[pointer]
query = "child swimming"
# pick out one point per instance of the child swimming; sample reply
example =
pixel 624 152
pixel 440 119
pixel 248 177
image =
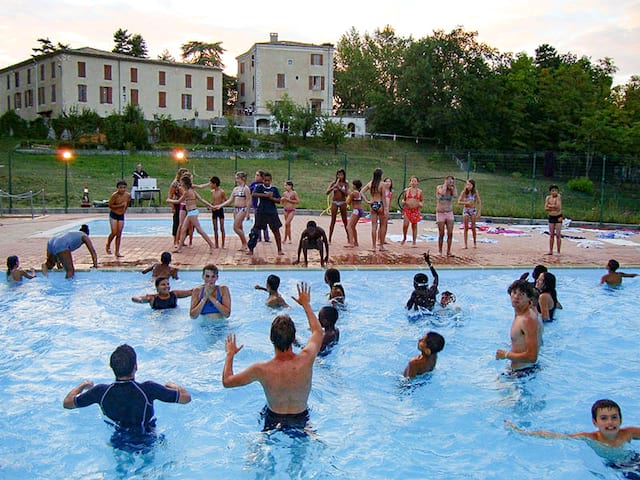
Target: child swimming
pixel 15 273
pixel 424 296
pixel 274 299
pixel 429 346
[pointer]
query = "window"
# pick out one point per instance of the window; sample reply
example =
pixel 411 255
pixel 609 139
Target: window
pixel 28 98
pixel 17 100
pixel 241 67
pixel 134 96
pixel 162 78
pixel 316 59
pixel 28 76
pixel 210 103
pixel 82 69
pixel 82 93
pixel 134 75
pixel 209 83
pixel 53 69
pixel 187 81
pixel 53 94
pixel 42 72
pixel 186 101
pixel 16 82
pixel 242 89
pixel 107 72
pixel 106 95
pixel 162 99
pixel 41 97
pixel 280 81
pixel 289 62
pixel 316 105
pixel 316 82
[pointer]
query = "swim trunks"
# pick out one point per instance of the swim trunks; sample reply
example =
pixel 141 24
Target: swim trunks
pixel 555 218
pixel 116 216
pixel 444 217
pixel 219 213
pixel 284 421
pixel 412 214
pixel 165 303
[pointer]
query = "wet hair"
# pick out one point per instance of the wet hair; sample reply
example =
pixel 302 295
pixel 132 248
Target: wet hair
pixel 524 287
pixel 186 181
pixel 613 265
pixel 283 332
pixel 357 184
pixel 273 282
pixel 551 187
pixel 12 262
pixel 123 360
pixel 120 183
pixel 435 342
pixel 331 276
pixel 165 258
pixel 210 266
pixel 159 279
pixel 215 180
pixel 312 224
pixel 473 186
pixel 538 270
pixel 549 285
pixel 330 314
pixel 375 181
pixel 84 228
pixel 448 295
pixel 602 404
pixel 420 281
pixel 341 171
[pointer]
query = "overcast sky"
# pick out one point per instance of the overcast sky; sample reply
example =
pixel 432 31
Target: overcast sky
pixel 595 28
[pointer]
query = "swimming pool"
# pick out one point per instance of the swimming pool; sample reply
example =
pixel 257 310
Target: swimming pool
pixel 143 227
pixel 369 422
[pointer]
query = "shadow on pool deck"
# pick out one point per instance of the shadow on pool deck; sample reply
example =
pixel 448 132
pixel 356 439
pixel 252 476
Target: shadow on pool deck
pixel 18 237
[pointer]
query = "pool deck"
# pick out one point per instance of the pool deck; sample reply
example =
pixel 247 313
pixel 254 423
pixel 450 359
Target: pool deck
pixel 23 236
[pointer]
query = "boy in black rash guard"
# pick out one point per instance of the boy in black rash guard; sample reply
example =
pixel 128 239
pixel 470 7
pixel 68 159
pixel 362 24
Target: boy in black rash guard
pixel 424 296
pixel 127 403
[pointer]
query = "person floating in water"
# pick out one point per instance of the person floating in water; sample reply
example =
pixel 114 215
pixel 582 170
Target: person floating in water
pixel 59 250
pixel 127 403
pixel 274 299
pixel 613 277
pixel 15 273
pixel 286 378
pixel 336 290
pixel 447 298
pixel 606 417
pixel 424 296
pixel 526 329
pixel 162 269
pixel 328 316
pixel 429 346
pixel 313 238
pixel 164 298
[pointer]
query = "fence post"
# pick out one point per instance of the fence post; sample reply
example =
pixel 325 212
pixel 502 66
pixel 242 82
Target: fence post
pixel 604 163
pixel 31 203
pixel 468 164
pixel 235 157
pixel 404 179
pixel 533 187
pixel 10 184
pixel 345 161
pixel 288 165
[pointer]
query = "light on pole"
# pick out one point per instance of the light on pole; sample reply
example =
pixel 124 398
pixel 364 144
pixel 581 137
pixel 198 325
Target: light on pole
pixel 66 156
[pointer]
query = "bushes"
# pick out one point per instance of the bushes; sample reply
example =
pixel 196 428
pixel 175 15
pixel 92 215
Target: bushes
pixel 581 184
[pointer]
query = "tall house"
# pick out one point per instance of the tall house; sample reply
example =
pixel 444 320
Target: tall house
pixel 107 82
pixel 269 70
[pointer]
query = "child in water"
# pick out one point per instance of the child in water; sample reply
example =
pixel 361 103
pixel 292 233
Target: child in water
pixel 162 269
pixel 328 316
pixel 336 292
pixel 274 299
pixel 15 273
pixel 424 296
pixel 613 277
pixel 429 346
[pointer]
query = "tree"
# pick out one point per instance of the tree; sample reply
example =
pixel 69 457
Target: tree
pixel 166 56
pixel 138 46
pixel 76 123
pixel 47 46
pixel 283 111
pixel 201 53
pixel 229 93
pixel 304 120
pixel 128 44
pixel 333 133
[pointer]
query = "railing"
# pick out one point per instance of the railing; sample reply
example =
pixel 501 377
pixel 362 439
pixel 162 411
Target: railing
pixel 22 196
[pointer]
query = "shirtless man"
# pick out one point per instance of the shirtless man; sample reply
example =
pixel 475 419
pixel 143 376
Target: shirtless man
pixel 613 277
pixel 286 378
pixel 526 329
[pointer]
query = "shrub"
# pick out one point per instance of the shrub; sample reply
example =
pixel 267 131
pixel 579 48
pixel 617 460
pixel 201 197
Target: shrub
pixel 581 184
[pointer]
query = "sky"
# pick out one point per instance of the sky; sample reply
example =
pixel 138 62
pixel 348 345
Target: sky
pixel 593 28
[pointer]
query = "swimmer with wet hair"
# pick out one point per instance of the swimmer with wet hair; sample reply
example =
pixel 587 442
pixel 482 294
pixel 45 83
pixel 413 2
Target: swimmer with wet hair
pixel 336 293
pixel 274 299
pixel 429 346
pixel 424 296
pixel 162 269
pixel 613 277
pixel 447 298
pixel 164 298
pixel 15 273
pixel 328 316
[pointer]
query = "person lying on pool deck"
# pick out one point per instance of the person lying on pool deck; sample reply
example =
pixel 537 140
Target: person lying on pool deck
pixel 286 378
pixel 164 298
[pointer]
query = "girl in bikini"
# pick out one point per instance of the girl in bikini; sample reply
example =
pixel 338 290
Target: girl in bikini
pixel 379 190
pixel 445 194
pixel 355 200
pixel 289 200
pixel 241 198
pixel 189 197
pixel 179 213
pixel 412 202
pixel 339 188
pixel 470 199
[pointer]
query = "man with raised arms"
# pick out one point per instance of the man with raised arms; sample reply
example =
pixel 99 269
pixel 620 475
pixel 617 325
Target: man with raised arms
pixel 286 378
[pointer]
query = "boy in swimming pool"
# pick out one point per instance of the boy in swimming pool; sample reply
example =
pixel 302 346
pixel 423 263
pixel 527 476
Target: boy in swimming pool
pixel 447 298
pixel 336 293
pixel 274 299
pixel 606 416
pixel 424 296
pixel 613 277
pixel 429 346
pixel 328 316
pixel 162 269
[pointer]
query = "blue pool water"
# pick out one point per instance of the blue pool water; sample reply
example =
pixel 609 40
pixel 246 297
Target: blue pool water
pixel 368 421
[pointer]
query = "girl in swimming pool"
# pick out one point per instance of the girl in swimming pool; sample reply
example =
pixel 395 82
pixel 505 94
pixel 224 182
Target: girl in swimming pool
pixel 289 201
pixel 470 200
pixel 189 197
pixel 15 273
pixel 339 189
pixel 241 198
pixel 379 190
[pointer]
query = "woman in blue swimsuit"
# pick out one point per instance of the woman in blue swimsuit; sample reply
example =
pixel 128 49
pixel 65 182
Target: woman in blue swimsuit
pixel 210 300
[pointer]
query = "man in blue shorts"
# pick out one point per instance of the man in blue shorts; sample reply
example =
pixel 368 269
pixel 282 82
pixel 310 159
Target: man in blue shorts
pixel 127 403
pixel 267 212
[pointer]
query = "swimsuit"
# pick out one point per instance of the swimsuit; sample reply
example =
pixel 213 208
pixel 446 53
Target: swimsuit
pixel 219 213
pixel 284 421
pixel 445 198
pixel 116 216
pixel 375 206
pixel 239 209
pixel 193 212
pixel 209 307
pixel 470 211
pixel 555 218
pixel 165 303
pixel 239 193
pixel 289 209
pixel 412 214
pixel 338 203
pixel 422 299
pixel 444 216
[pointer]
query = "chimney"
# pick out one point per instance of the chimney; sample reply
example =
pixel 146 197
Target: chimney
pixel 274 37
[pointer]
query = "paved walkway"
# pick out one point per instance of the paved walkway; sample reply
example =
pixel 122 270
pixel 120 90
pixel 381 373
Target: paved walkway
pixel 27 238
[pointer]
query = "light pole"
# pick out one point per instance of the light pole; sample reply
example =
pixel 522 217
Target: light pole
pixel 66 156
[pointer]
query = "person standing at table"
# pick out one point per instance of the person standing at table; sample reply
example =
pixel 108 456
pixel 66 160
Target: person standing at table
pixel 137 174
